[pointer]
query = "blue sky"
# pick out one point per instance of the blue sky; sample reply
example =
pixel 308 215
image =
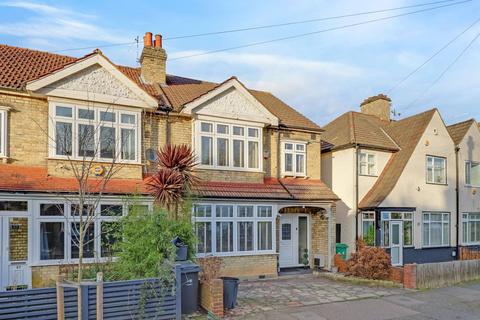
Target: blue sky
pixel 321 75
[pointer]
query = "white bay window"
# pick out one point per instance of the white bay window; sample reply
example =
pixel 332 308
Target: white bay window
pixel 233 229
pixel 104 134
pixel 228 146
pixel 471 228
pixel 57 228
pixel 436 229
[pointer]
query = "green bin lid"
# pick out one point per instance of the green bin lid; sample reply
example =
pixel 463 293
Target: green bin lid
pixel 342 245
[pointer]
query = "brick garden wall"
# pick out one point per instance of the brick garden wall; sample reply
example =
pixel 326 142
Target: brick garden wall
pixel 250 267
pixel 211 297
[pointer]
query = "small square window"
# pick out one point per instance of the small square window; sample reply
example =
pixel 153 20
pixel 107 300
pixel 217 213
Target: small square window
pixel 300 147
pixel 51 209
pixel 206 127
pixel 63 112
pixel 238 131
pixel 288 146
pixel 107 116
pixel 252 132
pixel 127 118
pixel 222 128
pixel 86 114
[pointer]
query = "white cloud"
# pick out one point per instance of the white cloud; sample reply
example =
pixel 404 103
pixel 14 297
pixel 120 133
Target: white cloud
pixel 55 23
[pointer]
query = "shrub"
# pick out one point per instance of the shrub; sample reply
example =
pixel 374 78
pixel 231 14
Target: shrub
pixel 210 268
pixel 146 250
pixel 369 262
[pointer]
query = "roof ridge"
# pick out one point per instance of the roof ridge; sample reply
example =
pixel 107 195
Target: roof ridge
pixel 351 120
pixel 462 122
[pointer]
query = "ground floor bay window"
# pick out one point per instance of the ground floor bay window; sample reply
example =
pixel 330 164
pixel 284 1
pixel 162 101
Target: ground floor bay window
pixel 471 228
pixel 57 224
pixel 234 229
pixel 436 229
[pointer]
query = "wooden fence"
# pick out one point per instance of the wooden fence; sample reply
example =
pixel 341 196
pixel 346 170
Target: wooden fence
pixel 122 300
pixel 441 274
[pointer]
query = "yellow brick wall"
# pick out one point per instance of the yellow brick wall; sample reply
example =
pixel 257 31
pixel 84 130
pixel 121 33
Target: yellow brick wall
pixel 18 239
pixel 250 267
pixel 44 276
pixel 27 129
pixel 63 168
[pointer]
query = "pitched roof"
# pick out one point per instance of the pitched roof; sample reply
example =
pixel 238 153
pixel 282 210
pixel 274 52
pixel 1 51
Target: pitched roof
pixel 406 133
pixel 458 130
pixel 358 128
pixel 20 65
pixel 36 179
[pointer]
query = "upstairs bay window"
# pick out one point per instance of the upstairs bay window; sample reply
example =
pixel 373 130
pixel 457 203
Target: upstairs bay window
pixel 102 134
pixel 229 146
pixel 436 170
pixel 294 158
pixel 472 174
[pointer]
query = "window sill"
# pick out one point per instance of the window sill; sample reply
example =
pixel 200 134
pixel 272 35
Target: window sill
pixel 368 175
pixel 122 162
pixel 204 167
pixel 437 184
pixel 435 247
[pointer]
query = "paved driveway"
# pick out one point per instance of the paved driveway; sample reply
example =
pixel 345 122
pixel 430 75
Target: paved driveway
pixel 256 297
pixel 460 302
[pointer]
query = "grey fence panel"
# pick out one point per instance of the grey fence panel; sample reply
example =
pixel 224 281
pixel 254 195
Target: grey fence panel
pixel 122 300
pixel 36 304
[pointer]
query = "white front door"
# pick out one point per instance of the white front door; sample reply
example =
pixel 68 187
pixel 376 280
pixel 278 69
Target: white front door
pixel 396 242
pixel 14 253
pixel 294 240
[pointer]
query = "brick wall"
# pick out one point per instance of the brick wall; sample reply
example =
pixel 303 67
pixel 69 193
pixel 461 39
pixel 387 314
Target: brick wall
pixel 44 276
pixel 469 253
pixel 63 168
pixel 410 276
pixel 18 239
pixel 250 267
pixel 319 234
pixel 27 129
pixel 211 297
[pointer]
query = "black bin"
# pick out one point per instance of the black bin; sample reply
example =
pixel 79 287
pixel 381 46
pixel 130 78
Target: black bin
pixel 230 291
pixel 189 277
pixel 182 249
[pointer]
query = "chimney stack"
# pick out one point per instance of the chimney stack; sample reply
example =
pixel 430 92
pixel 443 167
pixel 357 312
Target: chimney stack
pixel 378 106
pixel 153 60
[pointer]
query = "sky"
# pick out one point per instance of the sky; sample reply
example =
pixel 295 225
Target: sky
pixel 322 75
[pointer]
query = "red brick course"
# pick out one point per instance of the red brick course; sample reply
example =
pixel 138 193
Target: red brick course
pixel 211 297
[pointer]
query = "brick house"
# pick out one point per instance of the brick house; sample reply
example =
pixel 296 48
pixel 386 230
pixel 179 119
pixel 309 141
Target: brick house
pixel 260 205
pixel 397 181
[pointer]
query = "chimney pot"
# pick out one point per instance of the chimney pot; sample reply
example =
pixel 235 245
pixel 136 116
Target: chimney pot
pixel 158 41
pixel 147 39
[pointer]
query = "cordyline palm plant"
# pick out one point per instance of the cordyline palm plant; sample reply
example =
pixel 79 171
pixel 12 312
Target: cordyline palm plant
pixel 174 178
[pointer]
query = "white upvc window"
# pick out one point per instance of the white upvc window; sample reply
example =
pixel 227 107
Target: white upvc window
pixel 228 146
pixel 234 229
pixel 436 170
pixel 406 217
pixel 86 132
pixel 472 174
pixel 471 228
pixel 57 231
pixel 3 131
pixel 294 158
pixel 368 228
pixel 436 229
pixel 367 164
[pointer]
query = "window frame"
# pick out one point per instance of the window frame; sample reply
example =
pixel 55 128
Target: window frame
pixel 213 219
pixel 372 220
pixel 466 228
pixel 4 131
pixel 429 245
pixel 403 219
pixel 433 170
pixel 97 123
pixel 367 174
pixel 230 137
pixel 468 179
pixel 294 152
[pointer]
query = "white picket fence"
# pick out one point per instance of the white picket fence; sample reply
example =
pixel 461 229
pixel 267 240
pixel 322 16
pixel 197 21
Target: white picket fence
pixel 435 275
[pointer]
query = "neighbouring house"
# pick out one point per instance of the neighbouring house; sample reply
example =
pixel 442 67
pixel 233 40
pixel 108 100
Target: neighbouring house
pixel 260 205
pixel 466 136
pixel 396 180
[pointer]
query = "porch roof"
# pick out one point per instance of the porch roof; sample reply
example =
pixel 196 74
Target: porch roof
pixel 36 179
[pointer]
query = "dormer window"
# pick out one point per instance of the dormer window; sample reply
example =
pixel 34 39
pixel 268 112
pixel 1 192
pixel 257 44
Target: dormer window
pixel 104 134
pixel 3 131
pixel 228 146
